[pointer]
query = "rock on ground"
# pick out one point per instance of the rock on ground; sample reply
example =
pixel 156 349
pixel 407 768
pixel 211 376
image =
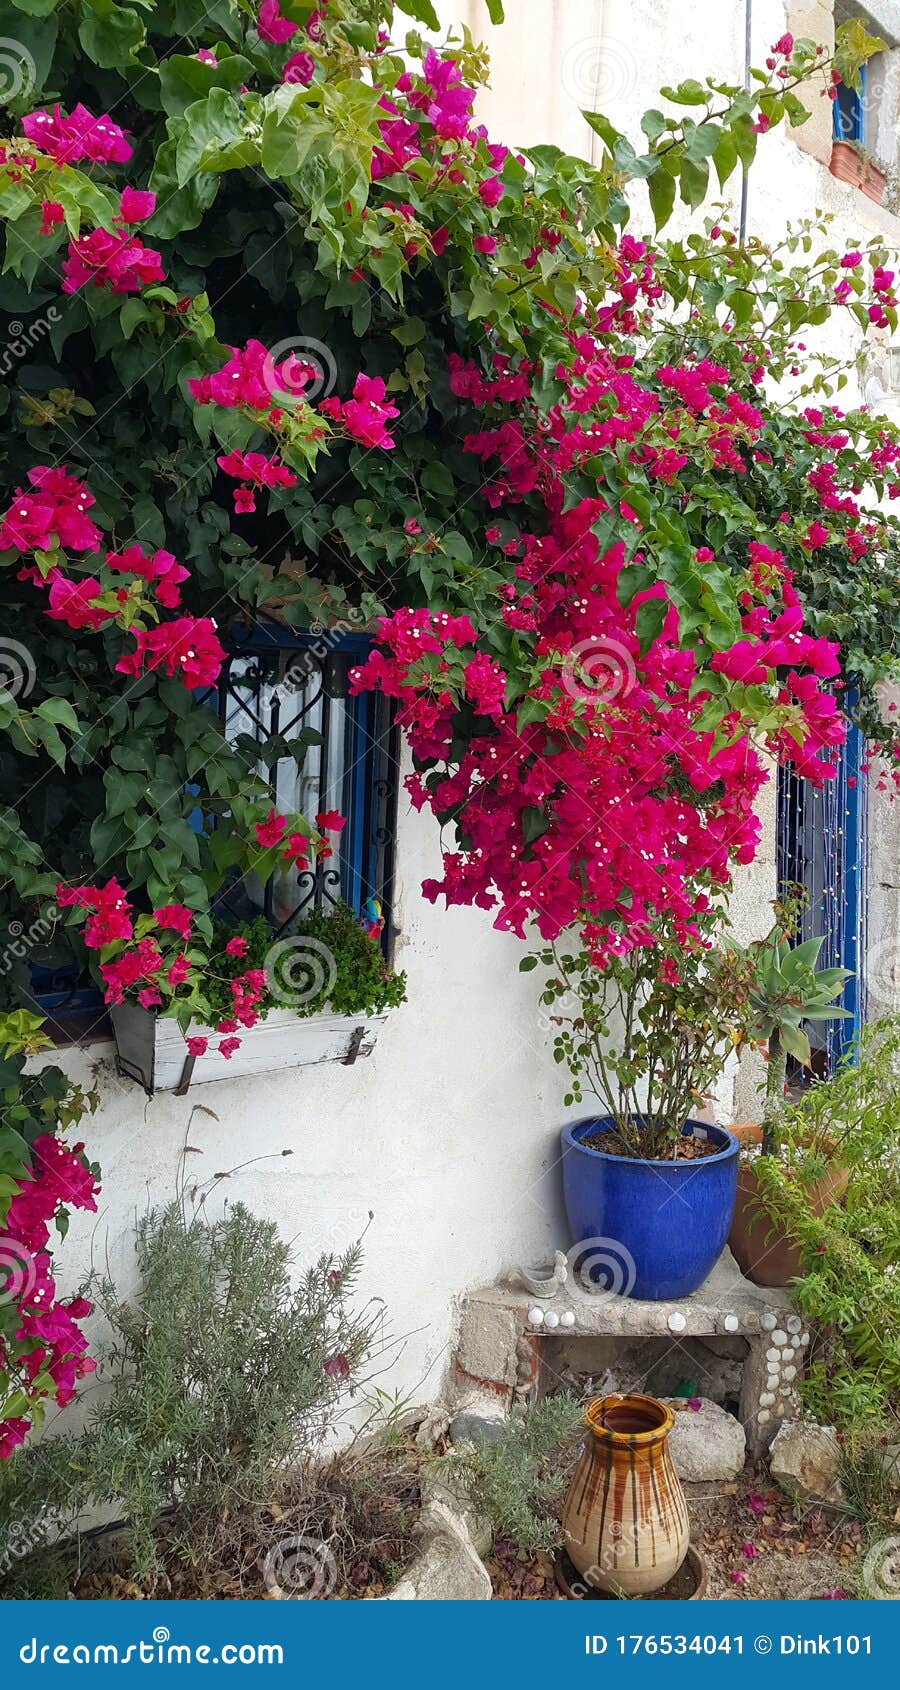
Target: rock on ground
pixel 705 1443
pixel 805 1459
pixel 447 1567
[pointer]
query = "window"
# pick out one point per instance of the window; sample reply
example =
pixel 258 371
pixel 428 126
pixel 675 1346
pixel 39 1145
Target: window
pixel 278 682
pixel 822 849
pixel 849 112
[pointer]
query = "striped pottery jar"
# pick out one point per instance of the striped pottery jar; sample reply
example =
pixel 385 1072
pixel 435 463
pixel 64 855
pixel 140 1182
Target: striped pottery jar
pixel 625 1520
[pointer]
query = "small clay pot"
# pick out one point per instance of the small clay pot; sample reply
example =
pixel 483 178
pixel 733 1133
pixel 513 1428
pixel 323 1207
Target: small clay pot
pixel 763 1252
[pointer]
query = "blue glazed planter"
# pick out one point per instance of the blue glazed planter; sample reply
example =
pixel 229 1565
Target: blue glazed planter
pixel 650 1229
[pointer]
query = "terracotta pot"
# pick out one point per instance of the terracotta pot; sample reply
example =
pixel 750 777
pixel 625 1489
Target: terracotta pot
pixel 625 1520
pixel 847 166
pixel 764 1254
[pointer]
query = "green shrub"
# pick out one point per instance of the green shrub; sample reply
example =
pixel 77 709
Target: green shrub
pixel 518 1481
pixel 224 1378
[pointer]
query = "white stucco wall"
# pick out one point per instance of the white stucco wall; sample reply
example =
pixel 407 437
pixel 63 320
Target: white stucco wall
pixel 448 1132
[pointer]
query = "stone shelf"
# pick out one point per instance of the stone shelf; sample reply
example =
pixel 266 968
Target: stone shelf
pixel 505 1334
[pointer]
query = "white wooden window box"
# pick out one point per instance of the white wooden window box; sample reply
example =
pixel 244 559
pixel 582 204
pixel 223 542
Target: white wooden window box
pixel 152 1050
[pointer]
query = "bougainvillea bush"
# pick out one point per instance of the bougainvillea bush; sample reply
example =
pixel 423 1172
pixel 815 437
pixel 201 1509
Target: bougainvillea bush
pixel 303 342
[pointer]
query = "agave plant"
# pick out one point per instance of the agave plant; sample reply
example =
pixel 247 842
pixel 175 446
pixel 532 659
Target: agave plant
pixel 786 990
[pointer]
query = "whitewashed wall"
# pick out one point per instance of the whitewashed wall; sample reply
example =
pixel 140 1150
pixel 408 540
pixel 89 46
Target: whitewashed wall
pixel 448 1133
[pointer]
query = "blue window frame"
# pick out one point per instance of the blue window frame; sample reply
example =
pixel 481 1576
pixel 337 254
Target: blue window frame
pixel 848 111
pixel 276 681
pixel 822 850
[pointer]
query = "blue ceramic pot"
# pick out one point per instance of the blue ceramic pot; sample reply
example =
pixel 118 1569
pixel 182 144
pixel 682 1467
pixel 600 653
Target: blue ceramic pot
pixel 650 1229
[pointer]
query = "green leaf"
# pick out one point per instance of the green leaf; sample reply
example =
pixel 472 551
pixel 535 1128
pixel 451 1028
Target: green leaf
pixel 661 188
pixel 110 34
pixel 649 620
pixel 184 79
pixel 209 127
pixel 694 181
pixel 495 10
pixel 423 12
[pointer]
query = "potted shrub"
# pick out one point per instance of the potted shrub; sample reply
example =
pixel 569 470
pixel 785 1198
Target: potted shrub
pixel 646 1034
pixel 786 990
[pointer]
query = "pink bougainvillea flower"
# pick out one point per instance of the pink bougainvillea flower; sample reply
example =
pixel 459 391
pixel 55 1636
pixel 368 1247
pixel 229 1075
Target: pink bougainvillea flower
pixel 490 192
pixel 364 416
pixel 271 831
pixel 197 1046
pixel 272 25
pixel 136 204
pixel 297 851
pixel 79 136
pixel 115 261
pixel 299 68
pixel 72 602
pixel 12 1434
pixel 738 1576
pixel 330 821
pixel 187 647
pixel 227 1048
pixel 749 1551
pixel 695 1404
pixel 57 508
pixel 237 946
pixel 161 570
pixel 244 500
pixel 176 916
pixel 52 215
pixel 485 243
pixel 755 1502
pixel 178 971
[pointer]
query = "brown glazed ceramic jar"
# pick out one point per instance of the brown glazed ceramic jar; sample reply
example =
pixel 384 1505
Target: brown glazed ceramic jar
pixel 625 1520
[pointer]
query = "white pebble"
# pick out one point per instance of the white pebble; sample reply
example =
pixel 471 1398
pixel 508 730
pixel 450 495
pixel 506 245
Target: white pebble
pixel 731 1323
pixel 535 1317
pixel 567 1318
pixel 767 1322
pixel 793 1323
pixel 790 1373
pixel 773 1380
pixel 773 1355
pixel 676 1322
pixel 779 1337
pixel 764 1416
pixel 767 1399
pixel 804 1340
pixel 551 1319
